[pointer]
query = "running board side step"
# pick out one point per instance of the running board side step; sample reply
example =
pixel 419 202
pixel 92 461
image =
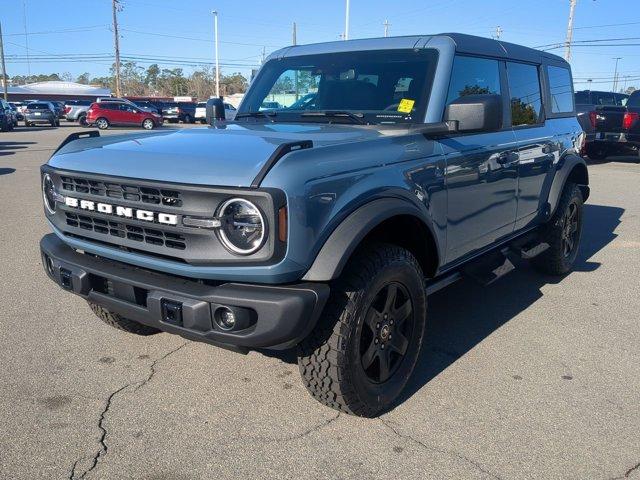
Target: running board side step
pixel 492 266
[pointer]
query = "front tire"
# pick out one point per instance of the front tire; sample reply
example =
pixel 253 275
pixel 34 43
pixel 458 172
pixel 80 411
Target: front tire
pixel 116 321
pixel 365 347
pixel 563 233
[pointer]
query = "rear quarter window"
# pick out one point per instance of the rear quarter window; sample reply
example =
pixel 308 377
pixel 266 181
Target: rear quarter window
pixel 561 89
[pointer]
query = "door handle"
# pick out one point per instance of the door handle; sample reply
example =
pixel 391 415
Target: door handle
pixel 507 158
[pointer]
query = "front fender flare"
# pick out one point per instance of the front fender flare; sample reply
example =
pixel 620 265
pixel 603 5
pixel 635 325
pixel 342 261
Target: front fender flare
pixel 344 240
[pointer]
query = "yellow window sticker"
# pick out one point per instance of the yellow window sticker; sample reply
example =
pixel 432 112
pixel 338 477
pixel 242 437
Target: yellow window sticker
pixel 406 105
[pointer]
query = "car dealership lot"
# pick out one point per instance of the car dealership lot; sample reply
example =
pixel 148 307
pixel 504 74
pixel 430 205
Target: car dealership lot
pixel 531 377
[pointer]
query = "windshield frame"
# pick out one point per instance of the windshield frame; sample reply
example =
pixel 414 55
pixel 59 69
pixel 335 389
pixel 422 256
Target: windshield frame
pixel 274 68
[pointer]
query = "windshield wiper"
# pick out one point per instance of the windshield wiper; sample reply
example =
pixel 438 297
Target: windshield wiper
pixel 355 117
pixel 257 114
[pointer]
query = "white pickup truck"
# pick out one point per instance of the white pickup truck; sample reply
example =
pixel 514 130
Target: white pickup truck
pixel 201 112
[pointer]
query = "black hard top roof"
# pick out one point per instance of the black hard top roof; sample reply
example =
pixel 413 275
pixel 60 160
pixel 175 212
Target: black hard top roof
pixel 474 45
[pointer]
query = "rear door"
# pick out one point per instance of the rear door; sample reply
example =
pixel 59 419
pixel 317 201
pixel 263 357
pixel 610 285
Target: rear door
pixel 128 114
pixel 481 173
pixel 534 135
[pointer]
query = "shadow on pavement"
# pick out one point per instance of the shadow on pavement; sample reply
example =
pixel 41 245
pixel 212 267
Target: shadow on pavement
pixel 462 315
pixel 6 171
pixel 7 148
pixel 454 327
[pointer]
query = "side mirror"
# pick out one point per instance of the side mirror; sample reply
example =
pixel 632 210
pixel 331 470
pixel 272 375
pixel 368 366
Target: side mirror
pixel 476 113
pixel 215 110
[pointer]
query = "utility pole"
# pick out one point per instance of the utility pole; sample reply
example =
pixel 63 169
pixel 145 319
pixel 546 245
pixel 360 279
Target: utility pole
pixel 615 73
pixel 4 68
pixel 294 35
pixel 498 32
pixel 26 35
pixel 264 54
pixel 386 28
pixel 116 7
pixel 567 48
pixel 215 32
pixel 346 21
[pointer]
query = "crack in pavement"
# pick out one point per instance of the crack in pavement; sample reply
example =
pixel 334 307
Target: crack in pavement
pixel 296 436
pixel 458 455
pixel 103 435
pixel 152 367
pixel 628 472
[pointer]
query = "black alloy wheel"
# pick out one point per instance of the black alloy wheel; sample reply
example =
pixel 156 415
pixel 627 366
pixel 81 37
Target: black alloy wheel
pixel 385 332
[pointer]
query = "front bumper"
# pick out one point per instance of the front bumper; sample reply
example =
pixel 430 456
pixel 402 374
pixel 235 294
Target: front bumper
pixel 274 317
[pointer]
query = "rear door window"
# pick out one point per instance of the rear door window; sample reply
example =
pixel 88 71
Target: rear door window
pixel 471 75
pixel 525 95
pixel 561 89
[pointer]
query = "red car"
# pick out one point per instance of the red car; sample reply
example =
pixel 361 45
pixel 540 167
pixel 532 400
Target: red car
pixel 105 114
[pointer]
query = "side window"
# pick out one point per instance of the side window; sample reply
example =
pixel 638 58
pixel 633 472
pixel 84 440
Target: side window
pixel 561 89
pixel 603 98
pixel 471 76
pixel 524 90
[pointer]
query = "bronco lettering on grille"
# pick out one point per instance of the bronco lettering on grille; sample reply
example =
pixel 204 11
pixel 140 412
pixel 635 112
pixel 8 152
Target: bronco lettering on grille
pixel 120 211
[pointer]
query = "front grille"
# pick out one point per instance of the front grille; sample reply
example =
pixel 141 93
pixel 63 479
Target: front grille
pixel 151 236
pixel 132 193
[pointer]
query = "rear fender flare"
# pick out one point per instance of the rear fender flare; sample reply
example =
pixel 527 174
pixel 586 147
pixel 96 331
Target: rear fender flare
pixel 572 168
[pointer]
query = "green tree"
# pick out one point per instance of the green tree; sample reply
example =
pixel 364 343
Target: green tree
pixel 83 78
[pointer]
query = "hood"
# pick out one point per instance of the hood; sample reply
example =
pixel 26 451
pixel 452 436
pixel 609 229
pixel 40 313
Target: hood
pixel 230 155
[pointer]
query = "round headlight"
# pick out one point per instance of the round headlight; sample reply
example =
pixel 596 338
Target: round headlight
pixel 48 194
pixel 242 228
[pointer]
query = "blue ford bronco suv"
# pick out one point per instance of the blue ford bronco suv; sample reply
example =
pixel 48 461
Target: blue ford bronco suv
pixel 388 169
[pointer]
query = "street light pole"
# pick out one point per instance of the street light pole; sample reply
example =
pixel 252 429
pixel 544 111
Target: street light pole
pixel 567 50
pixel 615 73
pixel 346 22
pixel 215 29
pixel 4 69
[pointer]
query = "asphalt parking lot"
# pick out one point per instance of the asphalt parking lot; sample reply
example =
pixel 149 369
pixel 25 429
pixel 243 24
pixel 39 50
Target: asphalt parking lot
pixel 533 377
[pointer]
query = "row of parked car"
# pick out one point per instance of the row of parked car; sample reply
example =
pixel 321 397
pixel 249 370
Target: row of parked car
pixel 104 112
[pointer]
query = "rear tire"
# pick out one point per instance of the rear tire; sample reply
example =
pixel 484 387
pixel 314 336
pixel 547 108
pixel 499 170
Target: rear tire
pixel 82 120
pixel 187 119
pixel 148 124
pixel 116 321
pixel 562 233
pixel 365 346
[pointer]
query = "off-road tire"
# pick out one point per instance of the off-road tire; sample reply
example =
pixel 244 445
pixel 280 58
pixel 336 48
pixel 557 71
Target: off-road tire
pixel 330 358
pixel 554 260
pixel 116 321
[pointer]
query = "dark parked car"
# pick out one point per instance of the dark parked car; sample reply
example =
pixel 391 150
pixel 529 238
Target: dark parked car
pixel 610 121
pixel 41 112
pixel 105 114
pixel 11 115
pixel 424 160
pixel 18 113
pixel 148 106
pixel 175 112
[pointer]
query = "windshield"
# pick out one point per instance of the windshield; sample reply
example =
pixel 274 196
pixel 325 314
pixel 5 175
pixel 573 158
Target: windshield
pixel 390 86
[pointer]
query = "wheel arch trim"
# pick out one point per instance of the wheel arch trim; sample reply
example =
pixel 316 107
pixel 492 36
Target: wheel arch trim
pixel 350 233
pixel 575 168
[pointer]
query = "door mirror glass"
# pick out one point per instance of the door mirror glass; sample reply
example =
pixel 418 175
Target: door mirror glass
pixel 476 113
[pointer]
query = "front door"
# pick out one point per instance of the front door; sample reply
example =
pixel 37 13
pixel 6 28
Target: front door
pixel 481 172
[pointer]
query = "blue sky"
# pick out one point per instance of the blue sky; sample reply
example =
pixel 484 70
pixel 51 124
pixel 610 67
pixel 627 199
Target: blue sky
pixel 148 28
